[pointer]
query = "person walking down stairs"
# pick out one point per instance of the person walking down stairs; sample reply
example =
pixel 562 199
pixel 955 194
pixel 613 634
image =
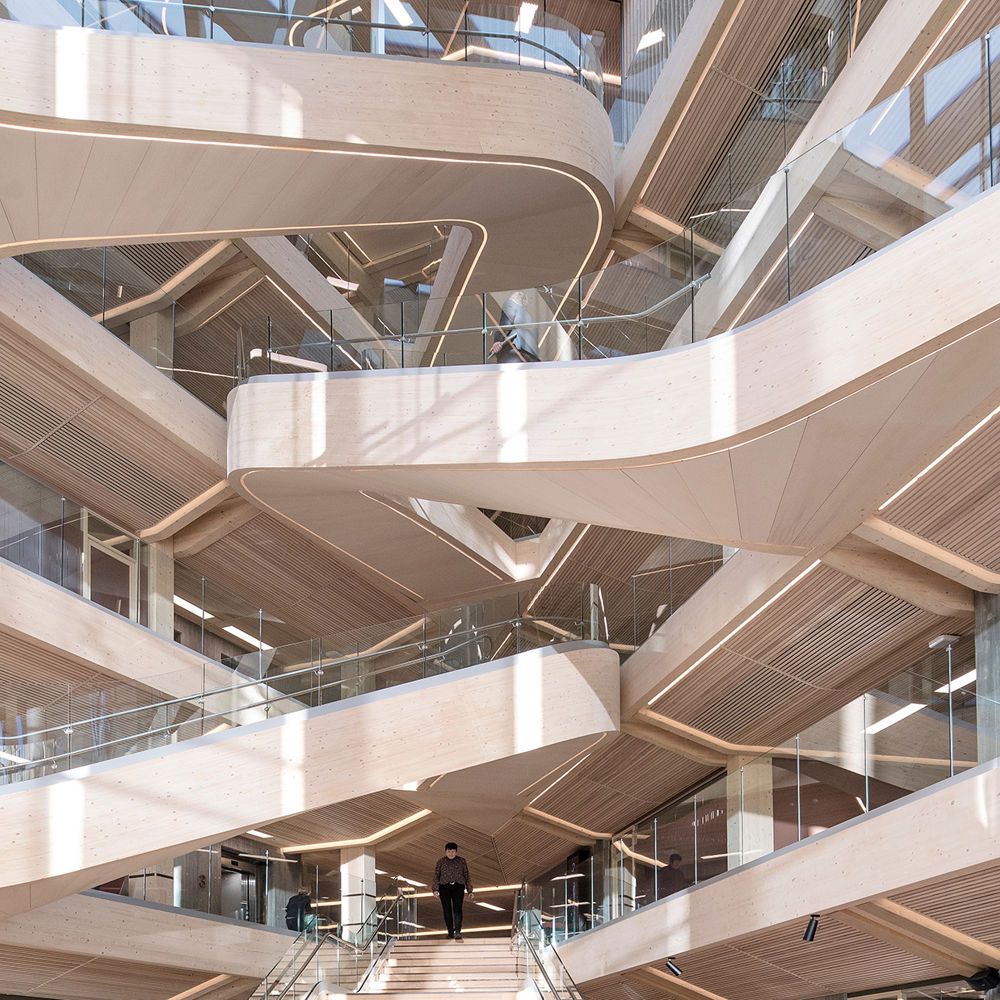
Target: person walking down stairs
pixel 450 883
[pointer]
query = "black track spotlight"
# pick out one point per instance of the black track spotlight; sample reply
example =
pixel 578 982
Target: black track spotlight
pixel 811 927
pixel 673 967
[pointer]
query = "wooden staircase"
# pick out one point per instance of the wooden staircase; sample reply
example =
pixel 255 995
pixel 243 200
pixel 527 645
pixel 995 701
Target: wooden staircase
pixel 437 970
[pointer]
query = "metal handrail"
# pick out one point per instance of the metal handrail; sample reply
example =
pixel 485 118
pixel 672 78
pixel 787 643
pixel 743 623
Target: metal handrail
pixel 518 931
pixel 583 322
pixel 201 696
pixel 572 989
pixel 331 936
pixel 105 23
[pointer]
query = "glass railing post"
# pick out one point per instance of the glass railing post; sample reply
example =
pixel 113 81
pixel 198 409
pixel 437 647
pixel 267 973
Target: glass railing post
pixel 788 241
pixel 951 708
pixel 865 739
pixel 742 814
pixel 579 315
pixel 694 838
pixel 635 616
pixel 656 863
pixel 486 346
pixel 989 105
pixel 798 787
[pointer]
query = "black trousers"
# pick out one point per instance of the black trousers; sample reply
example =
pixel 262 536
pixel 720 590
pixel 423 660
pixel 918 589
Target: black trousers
pixel 451 902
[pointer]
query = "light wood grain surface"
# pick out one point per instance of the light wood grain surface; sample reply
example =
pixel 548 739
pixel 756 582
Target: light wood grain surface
pixel 112 138
pixel 783 436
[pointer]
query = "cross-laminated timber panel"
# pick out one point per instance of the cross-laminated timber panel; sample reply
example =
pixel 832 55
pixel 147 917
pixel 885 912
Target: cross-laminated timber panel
pixel 783 435
pixel 76 828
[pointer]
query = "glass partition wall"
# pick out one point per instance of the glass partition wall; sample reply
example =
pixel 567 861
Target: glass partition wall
pixel 911 732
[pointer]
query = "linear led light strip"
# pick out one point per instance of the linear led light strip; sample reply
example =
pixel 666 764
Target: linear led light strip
pixel 359 841
pixel 937 461
pixel 479 890
pixel 739 628
pixel 231 629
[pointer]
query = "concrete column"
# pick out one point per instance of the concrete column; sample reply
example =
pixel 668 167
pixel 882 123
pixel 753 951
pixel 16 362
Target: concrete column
pixel 155 885
pixel 283 881
pixel 988 676
pixel 619 886
pixel 749 809
pixel 160 588
pixel 357 889
pixel 198 880
pixel 152 338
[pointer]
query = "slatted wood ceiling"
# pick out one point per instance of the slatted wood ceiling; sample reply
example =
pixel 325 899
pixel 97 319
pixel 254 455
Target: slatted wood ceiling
pixel 748 54
pixel 36 972
pixel 817 647
pixel 307 586
pixel 775 964
pixel 969 903
pixel 955 504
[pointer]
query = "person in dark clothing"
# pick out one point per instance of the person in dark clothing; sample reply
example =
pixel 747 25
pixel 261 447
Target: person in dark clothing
pixel 451 881
pixel 298 911
pixel 672 878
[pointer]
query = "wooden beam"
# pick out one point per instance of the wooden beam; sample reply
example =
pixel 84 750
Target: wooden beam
pixel 191 511
pixel 205 988
pixel 868 224
pixel 665 229
pixel 183 281
pixel 210 528
pixel 928 554
pixel 691 58
pixel 546 821
pixel 214 297
pixel 450 275
pixel 421 827
pixel 348 264
pixel 630 241
pixel 672 986
pixel 920 935
pixel 650 732
pixel 921 587
pixel 321 303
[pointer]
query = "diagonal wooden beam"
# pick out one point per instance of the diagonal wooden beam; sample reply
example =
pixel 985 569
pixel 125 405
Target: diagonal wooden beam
pixel 213 526
pixel 306 288
pixel 665 229
pixel 676 743
pixel 630 241
pixel 875 226
pixel 929 554
pixel 559 827
pixel 861 560
pixel 671 985
pixel 213 298
pixel 450 274
pixel 183 281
